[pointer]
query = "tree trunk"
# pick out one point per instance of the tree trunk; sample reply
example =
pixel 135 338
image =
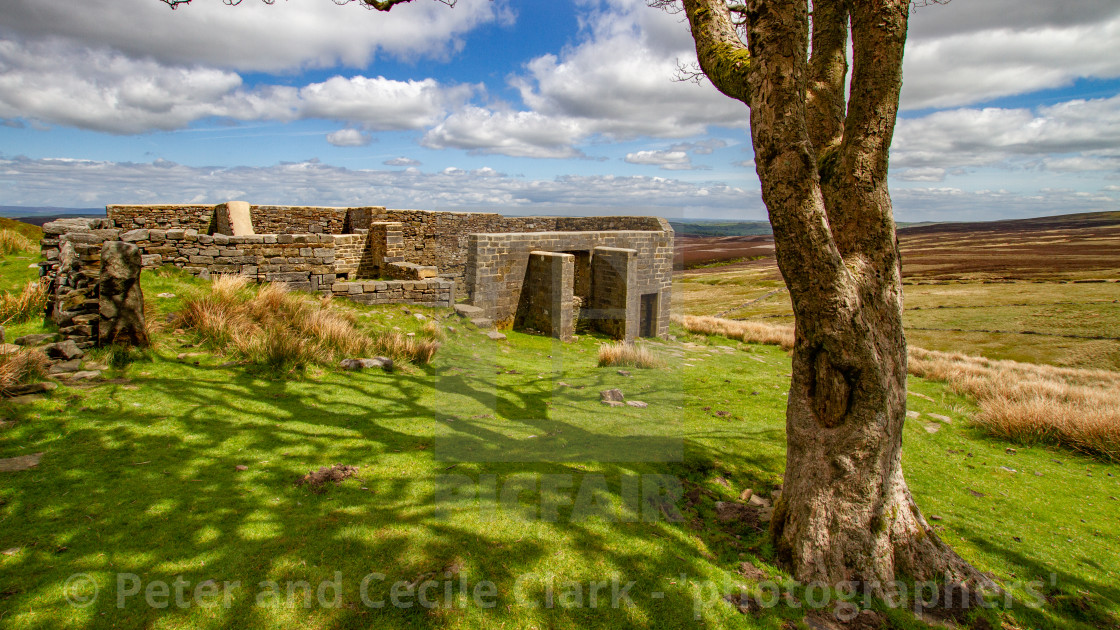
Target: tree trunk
pixel 845 513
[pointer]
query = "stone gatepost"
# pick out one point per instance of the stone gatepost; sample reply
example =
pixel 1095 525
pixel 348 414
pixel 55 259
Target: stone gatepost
pixel 614 302
pixel 545 304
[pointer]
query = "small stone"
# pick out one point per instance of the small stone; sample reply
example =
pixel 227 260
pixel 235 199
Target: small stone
pixel 637 403
pixel 354 365
pixel 35 340
pixel 25 400
pixel 242 467
pixel 420 317
pixel 562 384
pixel 932 428
pixel 941 418
pixel 746 495
pixel 913 415
pixel 611 395
pixel 934 517
pixel 1006 469
pixel 1010 451
pixel 9 348
pixel 495 335
pixel 23 462
pixel 30 388
pixel 65 366
pixel 166 296
pixel 613 403
pixel 758 501
pixel 623 373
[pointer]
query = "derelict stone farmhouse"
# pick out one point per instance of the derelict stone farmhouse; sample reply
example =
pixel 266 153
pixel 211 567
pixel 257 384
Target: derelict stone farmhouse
pixel 544 274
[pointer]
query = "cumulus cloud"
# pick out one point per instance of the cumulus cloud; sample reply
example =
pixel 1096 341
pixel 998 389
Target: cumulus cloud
pixel 1076 135
pixel 617 83
pixel 401 161
pixel 83 183
pixel 119 94
pixel 349 138
pixel 969 52
pixel 254 36
pixel 668 160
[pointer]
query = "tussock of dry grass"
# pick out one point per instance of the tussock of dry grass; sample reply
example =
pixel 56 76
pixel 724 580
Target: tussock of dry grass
pixel 275 328
pixel 1022 402
pixel 21 367
pixel 399 346
pixel 1030 403
pixel 29 303
pixel 749 332
pixel 432 330
pixel 12 242
pixel 627 355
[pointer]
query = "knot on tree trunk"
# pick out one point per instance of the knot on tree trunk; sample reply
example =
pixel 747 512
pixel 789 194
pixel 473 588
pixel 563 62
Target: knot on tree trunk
pixel 830 390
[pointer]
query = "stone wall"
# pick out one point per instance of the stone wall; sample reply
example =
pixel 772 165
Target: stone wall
pixel 384 246
pixel 188 216
pixel 613 307
pixel 496 266
pixel 429 238
pixel 545 305
pixel 92 278
pixel 430 292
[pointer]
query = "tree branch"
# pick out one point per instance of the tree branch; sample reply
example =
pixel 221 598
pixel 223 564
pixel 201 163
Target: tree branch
pixel 863 220
pixel 722 54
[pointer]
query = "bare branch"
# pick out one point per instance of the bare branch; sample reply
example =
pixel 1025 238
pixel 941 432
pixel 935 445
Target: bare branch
pixel 690 73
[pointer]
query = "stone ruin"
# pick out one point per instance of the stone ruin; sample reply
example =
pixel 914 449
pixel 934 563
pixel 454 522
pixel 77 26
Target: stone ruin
pixel 552 275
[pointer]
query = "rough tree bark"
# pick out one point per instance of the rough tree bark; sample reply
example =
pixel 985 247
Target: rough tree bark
pixel 845 513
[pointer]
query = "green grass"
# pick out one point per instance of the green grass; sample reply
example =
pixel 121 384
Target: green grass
pixel 139 475
pixel 1021 321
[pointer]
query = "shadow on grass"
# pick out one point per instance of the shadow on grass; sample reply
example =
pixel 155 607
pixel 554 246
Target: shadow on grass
pixel 142 480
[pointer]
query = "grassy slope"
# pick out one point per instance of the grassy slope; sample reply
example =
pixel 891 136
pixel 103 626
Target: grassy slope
pixel 139 475
pixel 954 317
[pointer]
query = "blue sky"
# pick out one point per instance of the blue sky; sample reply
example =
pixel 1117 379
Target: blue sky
pixel 1011 108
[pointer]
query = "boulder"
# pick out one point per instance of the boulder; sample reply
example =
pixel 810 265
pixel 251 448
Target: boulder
pixel 468 311
pixel 121 300
pixel 355 365
pixel 611 395
pixel 65 350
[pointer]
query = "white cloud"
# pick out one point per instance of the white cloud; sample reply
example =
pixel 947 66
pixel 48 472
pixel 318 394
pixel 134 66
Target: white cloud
pixel 118 94
pixel 349 138
pixel 1063 137
pixel 968 52
pixel 401 161
pixel 618 83
pixel 668 160
pixel 254 36
pixel 517 134
pixel 82 183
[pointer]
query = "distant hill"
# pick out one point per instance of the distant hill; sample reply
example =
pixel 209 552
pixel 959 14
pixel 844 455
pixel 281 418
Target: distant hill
pixel 720 227
pixel 1058 222
pixel 38 215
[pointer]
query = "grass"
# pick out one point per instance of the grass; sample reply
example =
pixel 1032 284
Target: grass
pixel 140 477
pixel 284 332
pixel 1051 322
pixel 623 354
pixel 1021 402
pixel 21 367
pixel 12 242
pixel 1030 404
pixel 27 304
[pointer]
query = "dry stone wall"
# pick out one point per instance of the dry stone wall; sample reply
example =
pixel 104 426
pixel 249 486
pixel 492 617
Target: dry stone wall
pixel 376 254
pixel 495 272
